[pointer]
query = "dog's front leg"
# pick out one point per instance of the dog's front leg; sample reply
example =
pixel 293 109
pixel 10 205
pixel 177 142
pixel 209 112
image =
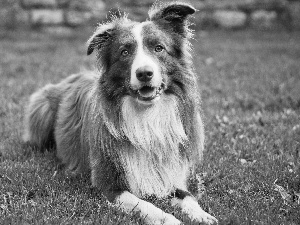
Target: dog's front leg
pixel 153 215
pixel 190 206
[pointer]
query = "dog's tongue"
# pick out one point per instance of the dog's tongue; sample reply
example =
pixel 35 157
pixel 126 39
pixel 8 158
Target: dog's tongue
pixel 147 92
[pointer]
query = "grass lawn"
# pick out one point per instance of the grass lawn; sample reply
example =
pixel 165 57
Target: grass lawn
pixel 250 86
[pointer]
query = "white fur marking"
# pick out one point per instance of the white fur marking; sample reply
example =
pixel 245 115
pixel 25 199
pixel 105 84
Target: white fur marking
pixel 143 59
pixel 153 164
pixel 153 215
pixel 190 206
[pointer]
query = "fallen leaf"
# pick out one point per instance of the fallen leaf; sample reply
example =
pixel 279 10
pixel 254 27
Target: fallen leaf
pixel 287 198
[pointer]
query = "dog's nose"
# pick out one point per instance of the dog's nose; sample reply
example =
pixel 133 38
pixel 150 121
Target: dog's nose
pixel 144 73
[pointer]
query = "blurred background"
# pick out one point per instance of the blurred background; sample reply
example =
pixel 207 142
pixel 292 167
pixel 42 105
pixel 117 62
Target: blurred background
pixel 61 16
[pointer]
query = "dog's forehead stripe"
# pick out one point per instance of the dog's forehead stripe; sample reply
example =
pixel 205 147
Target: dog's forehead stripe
pixel 137 32
pixel 143 57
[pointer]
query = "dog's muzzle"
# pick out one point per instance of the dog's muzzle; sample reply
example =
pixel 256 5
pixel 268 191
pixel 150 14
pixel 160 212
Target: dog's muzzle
pixel 144 74
pixel 149 88
pixel 148 94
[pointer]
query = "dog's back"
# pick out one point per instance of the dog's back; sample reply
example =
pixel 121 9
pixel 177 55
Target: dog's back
pixel 41 112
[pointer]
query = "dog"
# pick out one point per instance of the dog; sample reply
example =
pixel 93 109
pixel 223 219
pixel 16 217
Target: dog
pixel 134 124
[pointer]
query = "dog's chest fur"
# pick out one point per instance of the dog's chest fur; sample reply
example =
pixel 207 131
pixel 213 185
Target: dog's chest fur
pixel 153 161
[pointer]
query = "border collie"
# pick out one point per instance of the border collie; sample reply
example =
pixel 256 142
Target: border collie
pixel 136 123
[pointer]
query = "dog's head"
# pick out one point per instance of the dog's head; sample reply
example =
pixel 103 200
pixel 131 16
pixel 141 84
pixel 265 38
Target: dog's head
pixel 145 60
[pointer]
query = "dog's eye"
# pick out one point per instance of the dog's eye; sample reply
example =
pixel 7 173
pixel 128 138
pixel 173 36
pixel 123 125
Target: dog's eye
pixel 124 52
pixel 159 48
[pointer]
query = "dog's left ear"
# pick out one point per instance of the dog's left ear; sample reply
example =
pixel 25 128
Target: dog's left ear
pixel 173 15
pixel 100 38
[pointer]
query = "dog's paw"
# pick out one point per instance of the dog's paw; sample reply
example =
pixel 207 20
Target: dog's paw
pixel 190 207
pixel 202 217
pixel 170 220
pixel 166 219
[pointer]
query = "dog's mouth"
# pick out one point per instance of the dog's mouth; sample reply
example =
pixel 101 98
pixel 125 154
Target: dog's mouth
pixel 148 93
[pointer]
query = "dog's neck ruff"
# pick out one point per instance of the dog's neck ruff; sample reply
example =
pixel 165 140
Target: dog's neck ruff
pixel 150 156
pixel 156 132
pixel 151 127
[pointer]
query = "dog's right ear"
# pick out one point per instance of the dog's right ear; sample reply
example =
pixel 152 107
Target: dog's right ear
pixel 176 11
pixel 101 36
pixel 173 16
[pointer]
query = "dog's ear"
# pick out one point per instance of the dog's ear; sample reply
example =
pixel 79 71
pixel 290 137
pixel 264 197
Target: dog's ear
pixel 101 36
pixel 173 15
pixel 104 32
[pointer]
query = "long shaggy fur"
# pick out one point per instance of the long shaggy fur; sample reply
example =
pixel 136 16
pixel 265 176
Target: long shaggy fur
pixel 154 134
pixel 97 125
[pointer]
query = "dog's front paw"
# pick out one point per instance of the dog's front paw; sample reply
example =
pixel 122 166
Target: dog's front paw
pixel 201 216
pixel 170 220
pixel 190 207
pixel 163 219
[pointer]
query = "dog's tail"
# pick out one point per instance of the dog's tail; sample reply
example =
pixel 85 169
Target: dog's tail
pixel 40 117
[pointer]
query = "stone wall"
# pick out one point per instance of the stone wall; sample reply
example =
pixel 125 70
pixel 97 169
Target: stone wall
pixel 50 13
pixel 67 14
pixel 265 14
